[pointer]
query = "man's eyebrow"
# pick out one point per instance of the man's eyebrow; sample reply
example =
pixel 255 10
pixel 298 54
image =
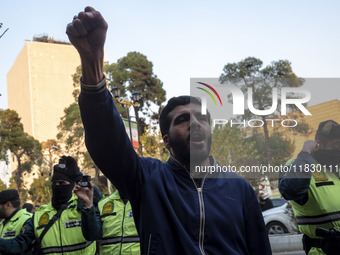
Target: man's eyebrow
pixel 185 114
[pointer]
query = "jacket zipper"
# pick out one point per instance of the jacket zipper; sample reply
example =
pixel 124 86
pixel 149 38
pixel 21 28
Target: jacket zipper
pixel 149 244
pixel 201 205
pixel 61 241
pixel 202 216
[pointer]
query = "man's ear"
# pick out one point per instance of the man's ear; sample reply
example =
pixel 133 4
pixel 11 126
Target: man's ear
pixel 8 204
pixel 320 144
pixel 166 142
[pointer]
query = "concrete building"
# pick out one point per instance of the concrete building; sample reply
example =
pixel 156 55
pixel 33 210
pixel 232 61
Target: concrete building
pixel 39 85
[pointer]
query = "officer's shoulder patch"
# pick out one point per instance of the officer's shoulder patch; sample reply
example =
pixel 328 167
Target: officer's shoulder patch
pixel 327 127
pixel 44 219
pixel 23 228
pixel 108 207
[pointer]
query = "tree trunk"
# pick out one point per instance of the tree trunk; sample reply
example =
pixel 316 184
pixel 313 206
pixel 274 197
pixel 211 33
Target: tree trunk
pixel 19 172
pixel 139 130
pixel 51 162
pixel 268 148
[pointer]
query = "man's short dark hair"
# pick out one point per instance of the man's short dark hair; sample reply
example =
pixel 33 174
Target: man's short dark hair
pixel 28 207
pixel 164 119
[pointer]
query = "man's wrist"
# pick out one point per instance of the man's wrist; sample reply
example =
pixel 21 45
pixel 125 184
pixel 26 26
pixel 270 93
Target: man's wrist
pixel 92 69
pixel 87 207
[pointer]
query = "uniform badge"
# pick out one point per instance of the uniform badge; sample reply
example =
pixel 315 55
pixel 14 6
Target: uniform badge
pixel 319 176
pixel 44 219
pixel 327 127
pixel 108 207
pixel 23 229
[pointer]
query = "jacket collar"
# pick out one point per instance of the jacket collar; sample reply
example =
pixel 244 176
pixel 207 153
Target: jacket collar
pixel 49 206
pixel 11 216
pixel 177 166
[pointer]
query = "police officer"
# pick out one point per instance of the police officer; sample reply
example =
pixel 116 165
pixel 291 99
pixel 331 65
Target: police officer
pixel 313 186
pixel 78 226
pixel 119 231
pixel 13 218
pixel 265 202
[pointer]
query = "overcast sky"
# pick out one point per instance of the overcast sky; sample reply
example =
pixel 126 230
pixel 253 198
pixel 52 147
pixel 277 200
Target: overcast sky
pixel 187 39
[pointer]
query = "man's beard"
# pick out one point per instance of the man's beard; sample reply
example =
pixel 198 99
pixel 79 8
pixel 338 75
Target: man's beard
pixel 187 155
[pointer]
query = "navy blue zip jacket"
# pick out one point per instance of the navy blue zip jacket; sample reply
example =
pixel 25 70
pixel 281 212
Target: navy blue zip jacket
pixel 173 216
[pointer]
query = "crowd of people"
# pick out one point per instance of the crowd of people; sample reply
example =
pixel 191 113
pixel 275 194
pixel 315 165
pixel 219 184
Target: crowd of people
pixel 79 223
pixel 161 207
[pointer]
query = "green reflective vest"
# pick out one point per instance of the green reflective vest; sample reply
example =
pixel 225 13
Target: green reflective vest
pixel 322 208
pixel 15 225
pixel 65 235
pixel 119 231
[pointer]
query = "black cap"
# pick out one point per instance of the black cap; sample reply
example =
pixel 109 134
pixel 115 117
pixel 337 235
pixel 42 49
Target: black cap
pixel 329 129
pixel 8 195
pixel 67 170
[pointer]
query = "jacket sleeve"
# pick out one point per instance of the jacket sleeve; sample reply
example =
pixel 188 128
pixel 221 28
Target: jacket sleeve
pixel 256 233
pixel 21 243
pixel 107 141
pixel 294 184
pixel 91 224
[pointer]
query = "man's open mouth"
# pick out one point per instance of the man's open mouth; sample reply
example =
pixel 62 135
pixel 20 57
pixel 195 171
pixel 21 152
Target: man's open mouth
pixel 196 137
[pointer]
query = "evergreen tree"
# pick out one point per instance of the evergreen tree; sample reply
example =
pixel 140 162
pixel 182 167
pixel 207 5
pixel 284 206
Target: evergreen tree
pixel 26 149
pixel 249 74
pixel 135 72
